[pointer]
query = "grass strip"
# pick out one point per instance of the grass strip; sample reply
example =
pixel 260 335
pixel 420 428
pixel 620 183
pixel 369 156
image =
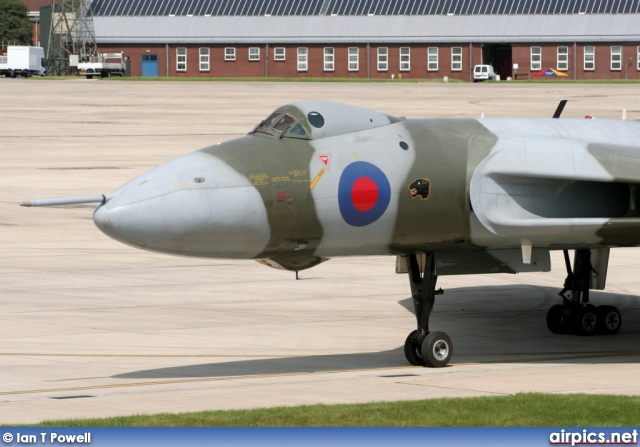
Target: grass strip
pixel 520 410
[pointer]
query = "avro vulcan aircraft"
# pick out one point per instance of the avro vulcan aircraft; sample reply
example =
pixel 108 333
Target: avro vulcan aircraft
pixel 318 179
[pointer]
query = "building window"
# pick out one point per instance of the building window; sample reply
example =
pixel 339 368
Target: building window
pixel 204 59
pixel 328 59
pixel 229 54
pixel 303 59
pixel 536 58
pixel 456 59
pixel 563 58
pixel 278 54
pixel 589 58
pixel 354 54
pixel 383 58
pixel 405 58
pixel 432 58
pixel 616 58
pixel 181 59
pixel 254 53
pixel 638 58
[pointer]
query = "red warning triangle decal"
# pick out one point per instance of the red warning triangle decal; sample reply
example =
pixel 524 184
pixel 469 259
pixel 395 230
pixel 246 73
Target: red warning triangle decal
pixel 326 159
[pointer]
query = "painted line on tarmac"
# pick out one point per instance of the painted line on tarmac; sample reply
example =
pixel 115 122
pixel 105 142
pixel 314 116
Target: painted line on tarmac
pixel 194 380
pixel 296 374
pixel 531 357
pixel 37 354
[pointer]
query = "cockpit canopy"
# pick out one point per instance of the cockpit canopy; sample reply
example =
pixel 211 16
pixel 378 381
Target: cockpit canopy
pixel 312 120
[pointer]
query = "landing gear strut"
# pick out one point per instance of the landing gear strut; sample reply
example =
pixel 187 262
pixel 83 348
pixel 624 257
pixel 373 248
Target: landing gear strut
pixel 575 314
pixel 424 348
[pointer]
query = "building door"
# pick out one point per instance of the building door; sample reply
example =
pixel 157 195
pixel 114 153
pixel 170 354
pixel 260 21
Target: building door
pixel 150 65
pixel 500 57
pixel 503 61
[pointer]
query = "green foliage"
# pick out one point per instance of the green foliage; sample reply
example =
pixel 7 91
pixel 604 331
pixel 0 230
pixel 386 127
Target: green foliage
pixel 15 28
pixel 521 410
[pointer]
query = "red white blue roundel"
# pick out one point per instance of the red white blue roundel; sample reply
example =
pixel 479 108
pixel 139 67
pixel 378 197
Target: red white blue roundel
pixel 363 193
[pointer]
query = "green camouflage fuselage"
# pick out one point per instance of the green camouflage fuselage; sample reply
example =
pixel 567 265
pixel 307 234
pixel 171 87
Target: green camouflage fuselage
pixel 320 179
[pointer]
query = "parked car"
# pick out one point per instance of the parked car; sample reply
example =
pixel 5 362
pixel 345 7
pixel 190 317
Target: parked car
pixel 483 73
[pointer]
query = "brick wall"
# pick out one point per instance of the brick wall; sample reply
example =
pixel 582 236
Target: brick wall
pixel 576 67
pixel 243 67
pixel 134 53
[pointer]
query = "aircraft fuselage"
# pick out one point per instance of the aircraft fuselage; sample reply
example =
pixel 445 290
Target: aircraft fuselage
pixel 414 185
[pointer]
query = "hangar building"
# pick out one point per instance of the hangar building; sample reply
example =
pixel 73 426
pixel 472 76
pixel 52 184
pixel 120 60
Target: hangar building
pixel 583 39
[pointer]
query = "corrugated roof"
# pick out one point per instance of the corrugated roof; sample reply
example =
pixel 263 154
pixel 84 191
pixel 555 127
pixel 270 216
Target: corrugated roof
pixel 374 29
pixel 358 7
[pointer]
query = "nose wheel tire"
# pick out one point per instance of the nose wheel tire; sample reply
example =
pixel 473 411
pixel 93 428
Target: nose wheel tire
pixel 433 350
pixel 412 349
pixel 437 349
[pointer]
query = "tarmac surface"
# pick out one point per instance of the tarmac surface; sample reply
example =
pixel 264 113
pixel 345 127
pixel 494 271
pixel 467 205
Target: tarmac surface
pixel 90 327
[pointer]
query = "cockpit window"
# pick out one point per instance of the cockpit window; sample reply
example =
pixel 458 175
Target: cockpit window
pixel 316 119
pixel 298 131
pixel 282 124
pixel 269 121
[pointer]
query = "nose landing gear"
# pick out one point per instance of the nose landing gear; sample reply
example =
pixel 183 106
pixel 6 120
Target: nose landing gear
pixel 424 348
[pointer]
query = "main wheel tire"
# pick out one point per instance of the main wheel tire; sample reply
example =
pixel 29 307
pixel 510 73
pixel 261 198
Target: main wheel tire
pixel 585 320
pixel 609 320
pixel 412 350
pixel 567 319
pixel 554 319
pixel 437 349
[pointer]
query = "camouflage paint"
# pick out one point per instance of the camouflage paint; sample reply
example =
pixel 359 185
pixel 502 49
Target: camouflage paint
pixel 447 152
pixel 279 170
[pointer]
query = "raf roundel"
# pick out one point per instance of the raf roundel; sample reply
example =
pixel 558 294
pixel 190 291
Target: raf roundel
pixel 363 194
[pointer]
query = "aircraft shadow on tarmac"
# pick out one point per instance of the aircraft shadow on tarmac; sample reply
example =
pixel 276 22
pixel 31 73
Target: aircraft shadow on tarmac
pixel 275 366
pixel 492 324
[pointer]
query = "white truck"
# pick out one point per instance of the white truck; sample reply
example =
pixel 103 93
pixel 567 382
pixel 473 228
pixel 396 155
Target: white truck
pixel 22 61
pixel 103 65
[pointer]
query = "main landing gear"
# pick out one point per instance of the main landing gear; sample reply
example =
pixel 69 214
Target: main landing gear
pixel 575 315
pixel 424 348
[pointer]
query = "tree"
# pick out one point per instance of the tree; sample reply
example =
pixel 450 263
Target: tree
pixel 15 27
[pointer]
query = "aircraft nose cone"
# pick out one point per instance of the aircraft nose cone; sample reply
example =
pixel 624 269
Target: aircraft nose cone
pixel 101 217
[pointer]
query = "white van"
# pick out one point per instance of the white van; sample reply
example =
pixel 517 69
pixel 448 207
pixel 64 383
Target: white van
pixel 483 73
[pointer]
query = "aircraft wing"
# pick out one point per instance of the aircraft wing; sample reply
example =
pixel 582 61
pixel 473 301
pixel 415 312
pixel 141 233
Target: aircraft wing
pixel 559 191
